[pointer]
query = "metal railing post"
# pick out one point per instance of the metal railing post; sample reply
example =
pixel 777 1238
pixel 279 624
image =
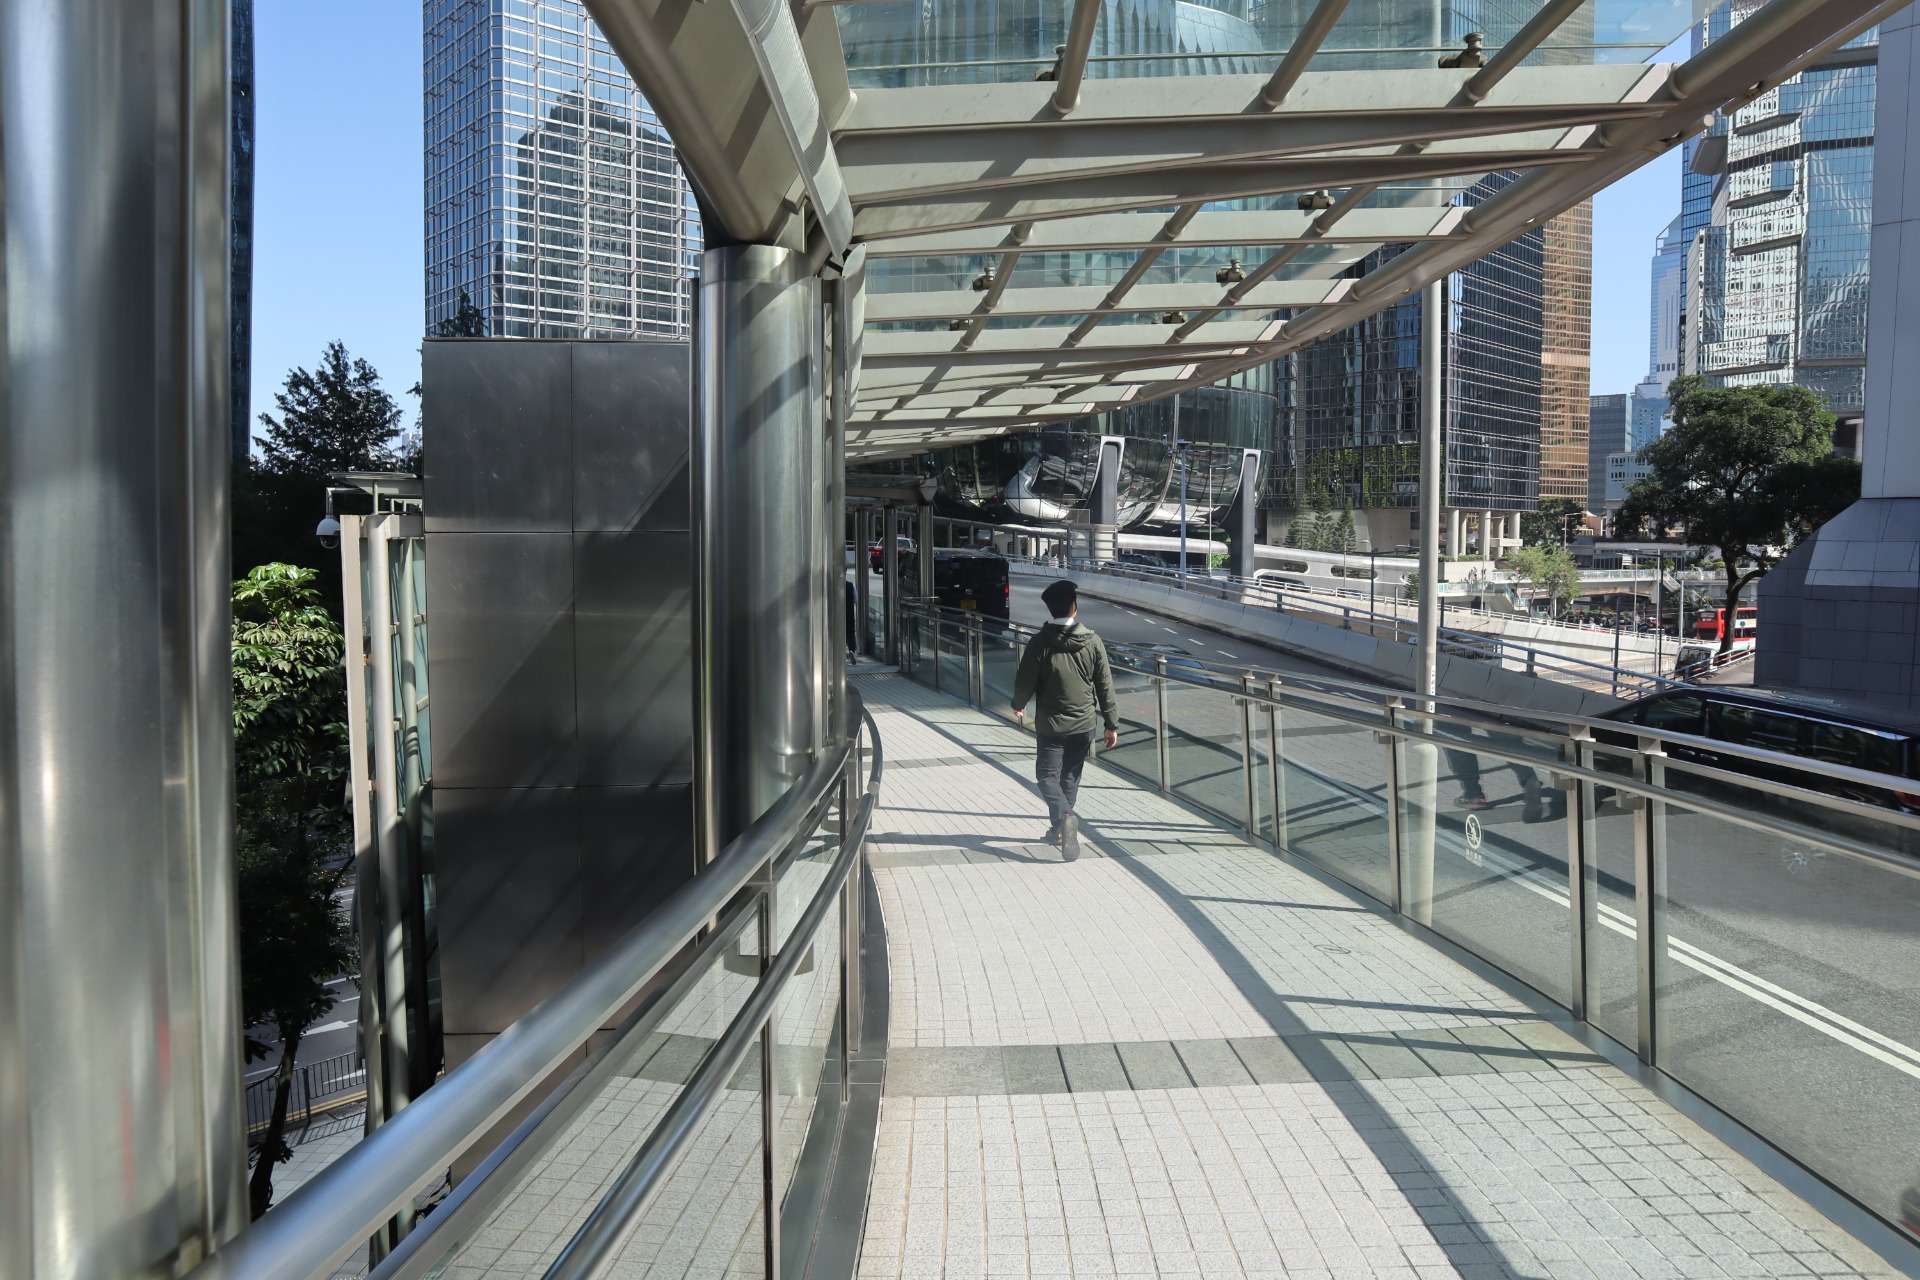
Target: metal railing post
pixel 1580 841
pixel 1649 857
pixel 1160 718
pixel 1247 781
pixel 1394 853
pixel 1276 749
pixel 976 668
pixel 936 627
pixel 770 1080
pixel 849 944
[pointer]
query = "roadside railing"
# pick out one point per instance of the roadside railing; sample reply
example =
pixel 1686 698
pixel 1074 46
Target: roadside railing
pixel 328 1083
pixel 678 1135
pixel 1742 920
pixel 1509 654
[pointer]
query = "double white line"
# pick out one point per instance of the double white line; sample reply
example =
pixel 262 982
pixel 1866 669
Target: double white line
pixel 1899 1056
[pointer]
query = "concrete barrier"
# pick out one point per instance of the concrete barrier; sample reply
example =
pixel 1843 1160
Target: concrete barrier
pixel 1365 656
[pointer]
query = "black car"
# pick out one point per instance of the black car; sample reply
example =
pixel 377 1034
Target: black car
pixel 1827 730
pixel 972 580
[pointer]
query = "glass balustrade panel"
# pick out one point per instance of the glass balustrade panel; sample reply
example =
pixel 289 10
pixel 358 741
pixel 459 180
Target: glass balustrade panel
pixel 1203 749
pixel 580 1159
pixel 1785 975
pixel 1333 780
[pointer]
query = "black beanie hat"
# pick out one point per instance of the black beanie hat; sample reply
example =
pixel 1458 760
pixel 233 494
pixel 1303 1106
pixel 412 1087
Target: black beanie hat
pixel 1059 597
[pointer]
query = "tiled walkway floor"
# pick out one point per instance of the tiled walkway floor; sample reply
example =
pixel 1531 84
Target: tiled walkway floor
pixel 1180 1056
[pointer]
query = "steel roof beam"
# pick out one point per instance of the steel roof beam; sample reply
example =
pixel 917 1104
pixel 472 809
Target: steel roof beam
pixel 1249 229
pixel 1184 185
pixel 1071 70
pixel 1313 34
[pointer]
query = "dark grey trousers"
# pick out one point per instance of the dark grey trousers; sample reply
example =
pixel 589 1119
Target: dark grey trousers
pixel 1058 762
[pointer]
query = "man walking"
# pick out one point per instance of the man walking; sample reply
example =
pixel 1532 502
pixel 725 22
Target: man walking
pixel 1066 665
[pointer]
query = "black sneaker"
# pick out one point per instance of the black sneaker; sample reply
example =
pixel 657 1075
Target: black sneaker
pixel 1053 834
pixel 1069 838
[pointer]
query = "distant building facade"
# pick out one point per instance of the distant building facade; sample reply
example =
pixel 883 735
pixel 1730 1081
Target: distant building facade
pixel 555 208
pixel 1609 432
pixel 1777 203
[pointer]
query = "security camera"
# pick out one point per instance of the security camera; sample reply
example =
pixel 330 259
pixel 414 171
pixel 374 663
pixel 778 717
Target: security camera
pixel 328 532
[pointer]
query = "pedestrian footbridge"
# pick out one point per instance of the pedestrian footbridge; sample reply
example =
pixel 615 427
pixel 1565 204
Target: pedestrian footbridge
pixel 1339 986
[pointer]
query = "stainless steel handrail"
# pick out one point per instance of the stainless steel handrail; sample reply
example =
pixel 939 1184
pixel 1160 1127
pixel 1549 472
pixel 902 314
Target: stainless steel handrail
pixel 1365 712
pixel 329 1218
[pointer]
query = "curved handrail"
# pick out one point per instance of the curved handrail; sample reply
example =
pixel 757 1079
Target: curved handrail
pixel 327 1219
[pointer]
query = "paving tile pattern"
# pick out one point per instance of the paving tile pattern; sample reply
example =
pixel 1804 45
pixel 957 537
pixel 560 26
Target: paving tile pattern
pixel 1066 1096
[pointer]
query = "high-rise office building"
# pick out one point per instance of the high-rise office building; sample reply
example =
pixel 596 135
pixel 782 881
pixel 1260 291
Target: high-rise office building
pixel 1667 303
pixel 1776 203
pixel 1566 352
pixel 555 208
pixel 1608 429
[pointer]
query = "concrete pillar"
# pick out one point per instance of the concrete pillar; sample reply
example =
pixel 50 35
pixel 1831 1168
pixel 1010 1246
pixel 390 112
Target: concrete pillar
pixel 121 1150
pixel 758 482
pixel 1241 515
pixel 1413 894
pixel 1456 533
pixel 1841 614
pixel 1103 507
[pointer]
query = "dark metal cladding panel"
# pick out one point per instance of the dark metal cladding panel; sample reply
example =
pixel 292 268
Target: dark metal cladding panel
pixel 633 628
pixel 510 902
pixel 499 414
pixel 631 413
pixel 502 654
pixel 636 848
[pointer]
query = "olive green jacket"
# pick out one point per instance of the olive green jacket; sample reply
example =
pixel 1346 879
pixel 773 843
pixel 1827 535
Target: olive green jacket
pixel 1066 665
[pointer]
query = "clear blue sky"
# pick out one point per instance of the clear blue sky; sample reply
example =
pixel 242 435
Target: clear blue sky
pixel 338 242
pixel 338 235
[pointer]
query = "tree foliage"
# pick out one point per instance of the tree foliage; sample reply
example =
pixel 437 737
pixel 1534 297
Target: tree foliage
pixel 1549 570
pixel 292 825
pixel 1746 470
pixel 335 417
pixel 1555 524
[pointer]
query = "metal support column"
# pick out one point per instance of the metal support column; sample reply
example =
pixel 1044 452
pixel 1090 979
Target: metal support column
pixel 1103 505
pixel 863 578
pixel 923 549
pixel 836 465
pixel 1397 826
pixel 890 581
pixel 116 860
pixel 758 443
pixel 1582 835
pixel 1421 775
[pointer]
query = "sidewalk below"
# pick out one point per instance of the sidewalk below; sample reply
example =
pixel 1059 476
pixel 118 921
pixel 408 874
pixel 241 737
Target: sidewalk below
pixel 1182 1056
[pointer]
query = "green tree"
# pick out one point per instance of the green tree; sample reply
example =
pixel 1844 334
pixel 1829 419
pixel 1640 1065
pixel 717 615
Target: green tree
pixel 292 826
pixel 1549 570
pixel 1554 525
pixel 335 417
pixel 1748 471
pixel 1342 537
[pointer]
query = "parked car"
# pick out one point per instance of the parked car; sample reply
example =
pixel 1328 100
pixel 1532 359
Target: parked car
pixel 972 580
pixel 1826 730
pixel 876 558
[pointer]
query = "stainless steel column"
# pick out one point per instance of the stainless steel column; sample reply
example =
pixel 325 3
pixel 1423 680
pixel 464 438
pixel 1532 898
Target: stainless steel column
pixel 1421 775
pixel 863 578
pixel 836 464
pixel 757 488
pixel 115 463
pixel 890 581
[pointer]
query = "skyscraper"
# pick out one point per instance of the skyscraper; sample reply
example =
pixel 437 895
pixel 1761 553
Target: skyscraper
pixel 1777 203
pixel 555 208
pixel 1608 427
pixel 1566 352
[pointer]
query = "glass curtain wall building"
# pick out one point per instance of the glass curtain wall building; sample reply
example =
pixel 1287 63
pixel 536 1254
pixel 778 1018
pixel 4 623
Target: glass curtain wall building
pixel 1566 352
pixel 1607 434
pixel 555 208
pixel 1778 202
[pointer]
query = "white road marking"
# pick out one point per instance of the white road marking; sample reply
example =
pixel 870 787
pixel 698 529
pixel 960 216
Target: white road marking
pixel 1167 629
pixel 327 1026
pixel 1902 1057
pixel 1223 653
